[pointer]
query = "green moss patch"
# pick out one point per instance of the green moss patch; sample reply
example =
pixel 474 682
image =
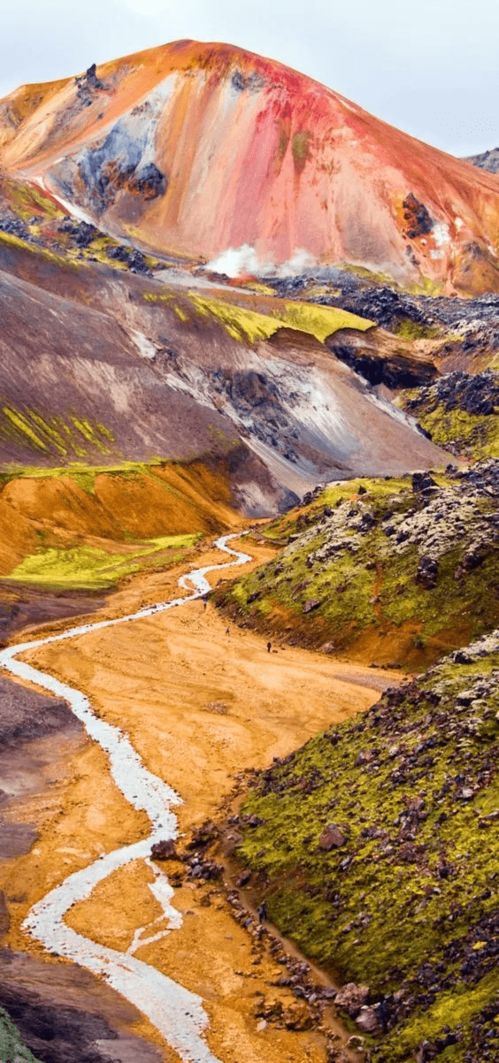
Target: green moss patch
pixel 404 903
pixel 459 412
pixel 73 436
pixel 350 571
pixel 91 568
pixel 12 1047
pixel 249 326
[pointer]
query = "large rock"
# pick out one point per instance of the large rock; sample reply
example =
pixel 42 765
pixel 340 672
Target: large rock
pixel 352 997
pixel 332 837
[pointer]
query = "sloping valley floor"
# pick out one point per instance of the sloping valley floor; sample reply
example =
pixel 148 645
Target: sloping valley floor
pixel 201 701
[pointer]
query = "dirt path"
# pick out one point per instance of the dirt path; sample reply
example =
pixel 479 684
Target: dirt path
pixel 199 703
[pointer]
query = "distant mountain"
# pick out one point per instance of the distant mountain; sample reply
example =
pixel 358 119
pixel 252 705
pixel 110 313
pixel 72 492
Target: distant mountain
pixel 488 160
pixel 213 153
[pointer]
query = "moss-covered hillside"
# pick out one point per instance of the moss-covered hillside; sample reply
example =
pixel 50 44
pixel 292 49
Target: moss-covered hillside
pixel 373 849
pixel 389 571
pixel 459 412
pixel 12 1049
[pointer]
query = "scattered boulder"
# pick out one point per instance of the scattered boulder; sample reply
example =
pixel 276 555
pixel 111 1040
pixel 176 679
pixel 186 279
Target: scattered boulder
pixel 204 835
pixel 427 573
pixel 164 850
pixel 423 482
pixel 332 837
pixel 311 604
pixel 368 1020
pixel 351 998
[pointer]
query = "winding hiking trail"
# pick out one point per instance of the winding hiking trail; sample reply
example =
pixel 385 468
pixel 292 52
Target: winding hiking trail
pixel 176 1013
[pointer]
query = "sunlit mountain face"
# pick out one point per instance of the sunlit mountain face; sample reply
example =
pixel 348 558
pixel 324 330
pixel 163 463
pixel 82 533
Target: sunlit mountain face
pixel 218 155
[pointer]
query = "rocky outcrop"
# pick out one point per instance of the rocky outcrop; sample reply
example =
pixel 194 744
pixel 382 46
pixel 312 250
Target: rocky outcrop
pixel 459 411
pixel 392 571
pixel 486 160
pixel 417 217
pixel 382 358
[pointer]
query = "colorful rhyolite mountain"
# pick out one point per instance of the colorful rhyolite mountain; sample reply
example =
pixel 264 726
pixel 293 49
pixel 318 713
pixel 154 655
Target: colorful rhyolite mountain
pixel 219 155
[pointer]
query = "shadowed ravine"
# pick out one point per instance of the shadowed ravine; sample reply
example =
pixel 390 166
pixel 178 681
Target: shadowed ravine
pixel 176 1013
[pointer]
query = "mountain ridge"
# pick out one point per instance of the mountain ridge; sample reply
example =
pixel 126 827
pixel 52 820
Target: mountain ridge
pixel 293 172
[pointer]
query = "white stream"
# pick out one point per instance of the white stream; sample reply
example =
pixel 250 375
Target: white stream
pixel 176 1013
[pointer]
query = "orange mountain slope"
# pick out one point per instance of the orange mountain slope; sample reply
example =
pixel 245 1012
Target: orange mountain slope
pixel 217 154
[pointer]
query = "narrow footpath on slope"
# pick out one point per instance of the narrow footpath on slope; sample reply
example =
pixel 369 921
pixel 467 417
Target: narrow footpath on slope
pixel 176 704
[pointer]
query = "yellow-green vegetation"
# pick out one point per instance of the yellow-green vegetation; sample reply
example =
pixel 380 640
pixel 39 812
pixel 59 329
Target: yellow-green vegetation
pixel 412 330
pixel 78 471
pixel 12 1046
pixel 26 245
pixel 469 433
pixel 249 326
pixel 91 568
pixel 403 900
pixel 348 575
pixel 466 433
pixel 72 437
pixel 28 200
pixel 459 412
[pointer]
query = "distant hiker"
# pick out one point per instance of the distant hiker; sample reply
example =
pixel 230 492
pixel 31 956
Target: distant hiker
pixel 227 631
pixel 205 603
pixel 262 912
pixel 269 647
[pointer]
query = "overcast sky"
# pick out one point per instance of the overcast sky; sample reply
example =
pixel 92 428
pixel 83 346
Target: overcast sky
pixel 427 66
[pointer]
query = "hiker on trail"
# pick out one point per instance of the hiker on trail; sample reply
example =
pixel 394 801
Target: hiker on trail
pixel 269 647
pixel 262 912
pixel 227 631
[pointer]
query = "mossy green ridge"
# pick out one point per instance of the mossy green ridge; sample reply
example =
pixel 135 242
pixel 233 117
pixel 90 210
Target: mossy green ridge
pixel 91 568
pixel 350 574
pixel 73 436
pixel 248 326
pixel 78 470
pixel 459 412
pixel 12 1047
pixel 404 903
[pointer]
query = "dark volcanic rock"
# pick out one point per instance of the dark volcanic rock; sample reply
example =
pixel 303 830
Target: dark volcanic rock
pixel 164 850
pixel 475 394
pixel 427 573
pixel 149 181
pixel 417 216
